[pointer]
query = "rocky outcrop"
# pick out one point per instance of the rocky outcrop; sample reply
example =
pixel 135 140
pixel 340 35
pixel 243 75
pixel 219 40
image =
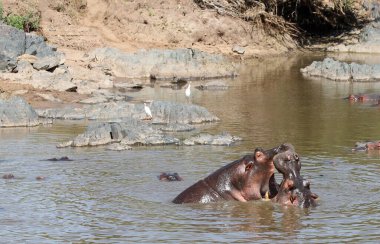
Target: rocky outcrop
pixel 341 71
pixel 15 111
pixel 132 132
pixel 129 132
pixel 223 139
pixel 14 43
pixel 185 64
pixel 162 111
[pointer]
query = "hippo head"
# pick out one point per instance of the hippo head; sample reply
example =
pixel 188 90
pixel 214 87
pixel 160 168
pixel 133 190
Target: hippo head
pixel 293 190
pixel 257 173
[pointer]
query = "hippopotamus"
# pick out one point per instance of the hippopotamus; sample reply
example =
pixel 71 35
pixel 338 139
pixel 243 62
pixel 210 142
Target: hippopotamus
pixel 364 98
pixel 367 146
pixel 8 176
pixel 64 158
pixel 242 180
pixel 170 177
pixel 293 189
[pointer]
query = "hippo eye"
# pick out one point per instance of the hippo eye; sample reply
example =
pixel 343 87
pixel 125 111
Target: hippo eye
pixel 296 157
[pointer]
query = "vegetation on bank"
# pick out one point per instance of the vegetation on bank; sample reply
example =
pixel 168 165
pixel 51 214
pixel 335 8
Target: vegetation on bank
pixel 28 22
pixel 295 18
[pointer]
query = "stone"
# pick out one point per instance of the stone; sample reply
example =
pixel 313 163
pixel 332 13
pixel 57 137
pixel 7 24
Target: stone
pixel 164 112
pixel 129 132
pixel 12 41
pixel 118 147
pixel 15 111
pixel 223 139
pixel 46 63
pixel 238 49
pixel 341 71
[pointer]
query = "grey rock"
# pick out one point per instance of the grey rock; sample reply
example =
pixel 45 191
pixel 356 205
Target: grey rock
pixel 238 49
pixel 47 63
pixel 341 71
pixel 51 81
pixel 373 7
pixel 7 64
pixel 12 41
pixel 163 64
pixel 36 45
pixel 94 100
pixel 128 132
pixel 213 85
pixel 15 111
pixel 224 139
pixel 118 147
pixel 24 67
pixel 177 127
pixel 163 112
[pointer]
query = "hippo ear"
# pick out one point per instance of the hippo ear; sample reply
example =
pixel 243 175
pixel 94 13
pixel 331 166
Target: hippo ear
pixel 258 154
pixel 248 166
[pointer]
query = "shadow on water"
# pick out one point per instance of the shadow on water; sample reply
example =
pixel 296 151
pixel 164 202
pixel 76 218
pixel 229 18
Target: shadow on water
pixel 106 196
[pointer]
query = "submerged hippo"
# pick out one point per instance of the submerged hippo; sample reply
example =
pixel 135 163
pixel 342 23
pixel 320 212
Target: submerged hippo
pixel 169 177
pixel 364 97
pixel 64 158
pixel 366 146
pixel 242 180
pixel 293 190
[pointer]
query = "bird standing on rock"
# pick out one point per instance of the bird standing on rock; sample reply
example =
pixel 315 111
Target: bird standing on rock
pixel 147 111
pixel 188 90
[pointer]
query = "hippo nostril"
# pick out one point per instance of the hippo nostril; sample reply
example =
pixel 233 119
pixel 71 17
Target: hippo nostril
pixel 306 184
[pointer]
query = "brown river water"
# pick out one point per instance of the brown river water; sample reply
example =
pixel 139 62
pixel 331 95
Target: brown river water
pixel 115 197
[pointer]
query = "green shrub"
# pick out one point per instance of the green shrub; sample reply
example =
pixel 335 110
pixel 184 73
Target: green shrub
pixel 28 23
pixel 1 10
pixel 15 21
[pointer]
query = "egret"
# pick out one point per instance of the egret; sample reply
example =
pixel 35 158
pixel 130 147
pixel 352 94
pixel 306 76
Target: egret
pixel 188 91
pixel 147 111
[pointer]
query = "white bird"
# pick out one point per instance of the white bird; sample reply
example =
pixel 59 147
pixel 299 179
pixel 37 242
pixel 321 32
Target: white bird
pixel 147 111
pixel 188 91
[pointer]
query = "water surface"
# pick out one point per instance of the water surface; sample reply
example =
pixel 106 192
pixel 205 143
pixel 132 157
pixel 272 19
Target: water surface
pixel 115 197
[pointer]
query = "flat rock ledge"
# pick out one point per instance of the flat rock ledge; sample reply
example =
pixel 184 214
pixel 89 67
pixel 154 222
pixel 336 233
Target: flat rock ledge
pixel 223 139
pixel 341 71
pixel 15 111
pixel 132 132
pixel 163 112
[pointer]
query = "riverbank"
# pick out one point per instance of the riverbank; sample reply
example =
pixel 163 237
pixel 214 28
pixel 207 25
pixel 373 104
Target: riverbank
pixel 125 46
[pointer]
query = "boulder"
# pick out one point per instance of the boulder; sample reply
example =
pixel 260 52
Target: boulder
pixel 46 63
pixel 15 111
pixel 12 41
pixel 341 71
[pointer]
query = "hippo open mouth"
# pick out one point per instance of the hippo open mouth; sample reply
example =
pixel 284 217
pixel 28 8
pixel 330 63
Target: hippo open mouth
pixel 293 189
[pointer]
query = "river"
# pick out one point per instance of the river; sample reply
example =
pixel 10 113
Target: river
pixel 115 197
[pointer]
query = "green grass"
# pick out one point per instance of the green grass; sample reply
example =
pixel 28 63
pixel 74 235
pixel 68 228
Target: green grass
pixel 28 23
